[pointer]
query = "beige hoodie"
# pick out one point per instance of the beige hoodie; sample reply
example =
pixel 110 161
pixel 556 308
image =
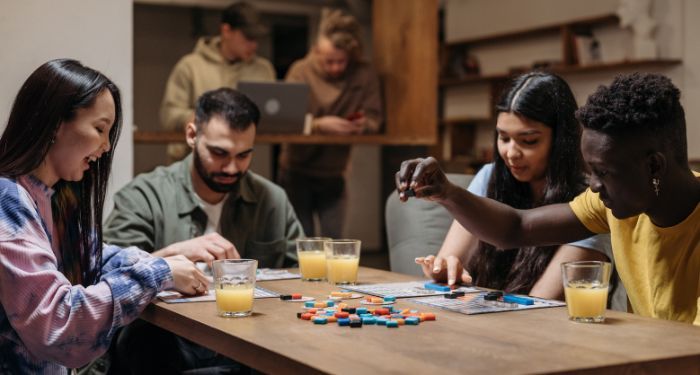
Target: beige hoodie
pixel 202 70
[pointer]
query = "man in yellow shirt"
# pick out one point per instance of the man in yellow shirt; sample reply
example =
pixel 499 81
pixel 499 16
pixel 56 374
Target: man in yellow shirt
pixel 642 192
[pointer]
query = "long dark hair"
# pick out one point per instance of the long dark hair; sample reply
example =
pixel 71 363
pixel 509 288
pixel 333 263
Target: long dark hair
pixel 52 95
pixel 545 98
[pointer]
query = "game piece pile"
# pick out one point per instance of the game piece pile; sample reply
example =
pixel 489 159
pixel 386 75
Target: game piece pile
pixel 355 317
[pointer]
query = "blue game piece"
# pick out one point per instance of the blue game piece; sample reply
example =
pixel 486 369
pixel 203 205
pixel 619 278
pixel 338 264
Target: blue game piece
pixel 519 300
pixel 361 310
pixel 367 315
pixel 330 303
pixel 320 320
pixel 389 298
pixel 381 321
pixel 343 322
pixel 392 324
pixel 437 287
pixel 412 320
pixel 309 304
pixel 369 320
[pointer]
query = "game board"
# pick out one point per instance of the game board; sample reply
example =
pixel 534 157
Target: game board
pixel 403 289
pixel 269 274
pixel 262 274
pixel 474 303
pixel 175 297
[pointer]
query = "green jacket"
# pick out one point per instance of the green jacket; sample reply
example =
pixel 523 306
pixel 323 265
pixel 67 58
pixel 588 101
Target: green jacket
pixel 158 209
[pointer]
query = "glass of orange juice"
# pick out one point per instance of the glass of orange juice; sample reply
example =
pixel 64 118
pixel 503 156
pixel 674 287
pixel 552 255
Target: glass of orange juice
pixel 312 258
pixel 234 286
pixel 586 290
pixel 342 261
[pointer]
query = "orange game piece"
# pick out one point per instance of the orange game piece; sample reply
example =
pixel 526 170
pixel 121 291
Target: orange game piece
pixel 382 311
pixel 306 316
pixel 427 316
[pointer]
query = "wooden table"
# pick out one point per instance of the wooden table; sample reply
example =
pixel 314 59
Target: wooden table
pixel 274 341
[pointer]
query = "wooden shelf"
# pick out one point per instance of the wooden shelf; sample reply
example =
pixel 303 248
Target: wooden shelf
pixel 149 137
pixel 570 69
pixel 464 120
pixel 544 29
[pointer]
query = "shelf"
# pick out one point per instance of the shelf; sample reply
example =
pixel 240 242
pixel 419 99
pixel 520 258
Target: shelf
pixel 570 69
pixel 577 23
pixel 149 137
pixel 464 120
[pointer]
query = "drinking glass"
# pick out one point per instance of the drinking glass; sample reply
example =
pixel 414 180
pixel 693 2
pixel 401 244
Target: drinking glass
pixel 234 285
pixel 312 258
pixel 586 290
pixel 342 261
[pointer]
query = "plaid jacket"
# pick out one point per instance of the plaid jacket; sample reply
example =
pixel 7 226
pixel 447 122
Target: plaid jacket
pixel 47 324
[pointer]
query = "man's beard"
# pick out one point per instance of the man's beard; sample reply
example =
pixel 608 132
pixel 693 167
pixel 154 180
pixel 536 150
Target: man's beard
pixel 209 178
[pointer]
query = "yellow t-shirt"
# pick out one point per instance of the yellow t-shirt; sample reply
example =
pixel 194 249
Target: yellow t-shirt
pixel 659 267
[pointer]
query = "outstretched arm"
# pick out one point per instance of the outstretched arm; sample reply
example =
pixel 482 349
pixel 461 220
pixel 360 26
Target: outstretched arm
pixel 492 221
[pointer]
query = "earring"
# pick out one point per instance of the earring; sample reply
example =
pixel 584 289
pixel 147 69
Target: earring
pixel 655 181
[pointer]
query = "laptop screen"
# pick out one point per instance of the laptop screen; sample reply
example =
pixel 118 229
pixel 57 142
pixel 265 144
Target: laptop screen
pixel 283 105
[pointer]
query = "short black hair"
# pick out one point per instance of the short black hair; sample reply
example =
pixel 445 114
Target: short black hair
pixel 245 17
pixel 639 104
pixel 234 107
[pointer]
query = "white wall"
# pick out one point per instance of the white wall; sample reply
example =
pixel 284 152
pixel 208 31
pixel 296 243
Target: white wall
pixel 467 19
pixel 98 33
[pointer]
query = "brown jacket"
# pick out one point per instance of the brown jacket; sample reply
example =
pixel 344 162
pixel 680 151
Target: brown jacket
pixel 358 90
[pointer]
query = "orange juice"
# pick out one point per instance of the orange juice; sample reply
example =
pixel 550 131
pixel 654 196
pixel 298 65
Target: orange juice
pixel 312 265
pixel 586 301
pixel 235 300
pixel 342 269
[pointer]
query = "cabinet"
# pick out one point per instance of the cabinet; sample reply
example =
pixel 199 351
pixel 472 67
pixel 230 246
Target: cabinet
pixel 468 93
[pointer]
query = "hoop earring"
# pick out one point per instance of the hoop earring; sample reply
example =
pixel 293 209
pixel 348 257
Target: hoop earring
pixel 656 182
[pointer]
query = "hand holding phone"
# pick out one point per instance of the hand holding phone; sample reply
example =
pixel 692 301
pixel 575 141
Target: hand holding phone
pixel 356 116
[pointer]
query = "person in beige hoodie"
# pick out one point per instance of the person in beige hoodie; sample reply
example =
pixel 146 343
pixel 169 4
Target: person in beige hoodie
pixel 218 61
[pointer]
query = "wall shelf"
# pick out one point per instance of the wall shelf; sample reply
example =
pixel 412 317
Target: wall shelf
pixel 568 69
pixel 543 29
pixel 461 137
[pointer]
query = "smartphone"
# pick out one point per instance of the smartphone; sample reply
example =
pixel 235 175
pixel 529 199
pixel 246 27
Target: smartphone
pixel 356 115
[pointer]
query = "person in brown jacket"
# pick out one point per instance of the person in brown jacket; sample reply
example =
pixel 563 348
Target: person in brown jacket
pixel 345 99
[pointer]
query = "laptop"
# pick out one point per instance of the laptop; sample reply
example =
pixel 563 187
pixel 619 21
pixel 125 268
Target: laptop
pixel 283 106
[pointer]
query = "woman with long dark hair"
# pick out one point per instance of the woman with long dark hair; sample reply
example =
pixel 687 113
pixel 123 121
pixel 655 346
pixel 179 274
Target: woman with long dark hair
pixel 538 161
pixel 63 294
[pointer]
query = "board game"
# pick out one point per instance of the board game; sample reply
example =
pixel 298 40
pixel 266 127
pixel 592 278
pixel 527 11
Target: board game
pixel 405 289
pixel 175 297
pixel 474 303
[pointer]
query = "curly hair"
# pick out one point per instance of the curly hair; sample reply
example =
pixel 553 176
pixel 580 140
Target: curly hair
pixel 342 30
pixel 546 98
pixel 639 104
